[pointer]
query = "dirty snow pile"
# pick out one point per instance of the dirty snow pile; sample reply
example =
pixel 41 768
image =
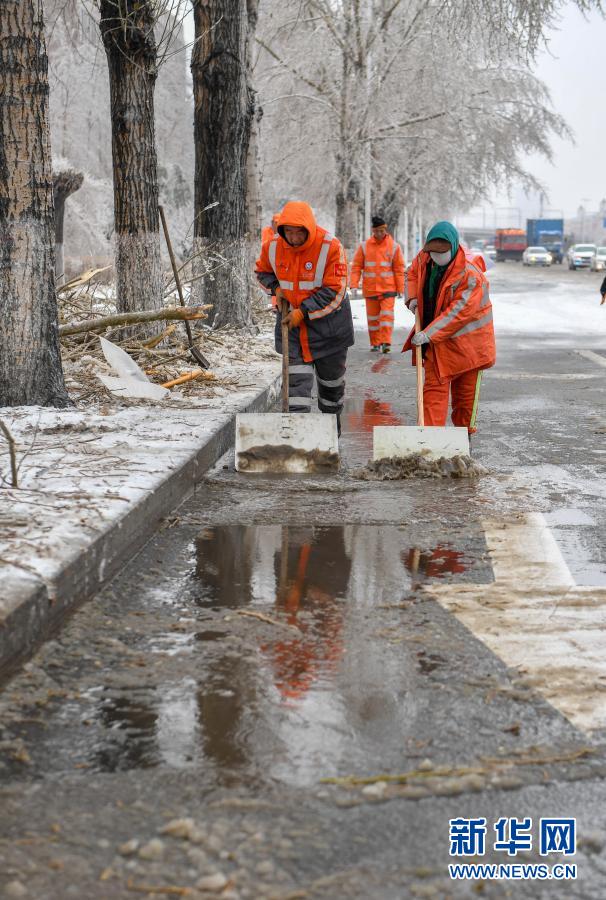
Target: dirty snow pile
pixel 419 466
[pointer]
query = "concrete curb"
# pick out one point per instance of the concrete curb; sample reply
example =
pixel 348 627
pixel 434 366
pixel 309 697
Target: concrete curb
pixel 31 610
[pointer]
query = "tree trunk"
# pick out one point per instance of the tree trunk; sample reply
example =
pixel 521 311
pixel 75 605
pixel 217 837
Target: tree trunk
pixel 223 112
pixel 253 186
pixel 348 188
pixel 347 201
pixel 128 35
pixel 64 185
pixel 30 361
pixel 253 177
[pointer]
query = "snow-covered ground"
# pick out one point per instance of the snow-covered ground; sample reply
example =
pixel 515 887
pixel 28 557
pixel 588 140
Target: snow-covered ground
pixel 81 470
pixel 529 302
pixel 558 307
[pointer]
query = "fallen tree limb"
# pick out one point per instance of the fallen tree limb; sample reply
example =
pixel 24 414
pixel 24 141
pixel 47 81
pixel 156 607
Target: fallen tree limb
pixel 132 318
pixel 189 376
pixel 80 280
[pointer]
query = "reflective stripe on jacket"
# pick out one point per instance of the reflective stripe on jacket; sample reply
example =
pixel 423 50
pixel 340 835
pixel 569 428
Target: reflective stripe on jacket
pixel 462 331
pixel 381 266
pixel 313 277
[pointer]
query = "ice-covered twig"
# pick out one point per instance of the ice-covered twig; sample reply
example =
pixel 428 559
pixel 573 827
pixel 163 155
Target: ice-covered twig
pixel 11 452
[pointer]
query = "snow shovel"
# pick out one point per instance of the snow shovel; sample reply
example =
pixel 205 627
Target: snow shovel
pixel 433 442
pixel 286 443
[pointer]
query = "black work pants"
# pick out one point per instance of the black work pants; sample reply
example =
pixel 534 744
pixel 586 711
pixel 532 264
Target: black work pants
pixel 330 376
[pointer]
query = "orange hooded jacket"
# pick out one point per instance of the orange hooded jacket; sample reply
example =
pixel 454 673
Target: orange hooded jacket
pixel 313 277
pixel 267 234
pixel 462 331
pixel 381 265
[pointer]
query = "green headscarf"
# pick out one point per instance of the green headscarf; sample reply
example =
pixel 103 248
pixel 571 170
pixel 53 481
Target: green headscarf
pixel 445 231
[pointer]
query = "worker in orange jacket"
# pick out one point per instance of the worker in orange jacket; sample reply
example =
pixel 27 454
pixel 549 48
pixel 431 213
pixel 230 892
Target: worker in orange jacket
pixel 306 268
pixel 266 235
pixel 380 262
pixel 450 292
pixel 269 230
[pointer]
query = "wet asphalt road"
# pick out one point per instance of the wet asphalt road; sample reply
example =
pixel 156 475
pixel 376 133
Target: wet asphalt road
pixel 281 640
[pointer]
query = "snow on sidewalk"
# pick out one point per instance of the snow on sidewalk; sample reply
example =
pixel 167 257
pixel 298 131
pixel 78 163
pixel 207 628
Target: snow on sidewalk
pixel 81 470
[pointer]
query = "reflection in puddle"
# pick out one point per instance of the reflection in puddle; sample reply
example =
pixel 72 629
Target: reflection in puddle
pixel 364 415
pixel 436 563
pixel 380 365
pixel 304 571
pixel 313 679
pixel 130 721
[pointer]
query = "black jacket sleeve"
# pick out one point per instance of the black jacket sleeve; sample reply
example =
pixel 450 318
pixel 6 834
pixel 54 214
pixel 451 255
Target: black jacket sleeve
pixel 268 281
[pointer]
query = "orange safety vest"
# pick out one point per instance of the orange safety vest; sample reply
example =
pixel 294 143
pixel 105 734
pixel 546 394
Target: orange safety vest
pixel 462 331
pixel 319 262
pixel 381 265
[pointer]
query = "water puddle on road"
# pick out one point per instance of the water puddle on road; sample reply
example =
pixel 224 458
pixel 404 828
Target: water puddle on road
pixel 294 651
pixel 296 663
pixel 361 415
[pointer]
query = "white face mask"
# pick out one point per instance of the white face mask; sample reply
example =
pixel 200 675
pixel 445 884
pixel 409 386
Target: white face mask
pixel 442 259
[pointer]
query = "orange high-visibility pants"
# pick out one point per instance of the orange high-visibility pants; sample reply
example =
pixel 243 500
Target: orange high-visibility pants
pixel 379 313
pixel 462 391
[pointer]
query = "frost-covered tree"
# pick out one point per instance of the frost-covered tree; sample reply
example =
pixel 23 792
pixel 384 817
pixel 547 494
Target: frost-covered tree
pixel 30 362
pixel 81 126
pixel 223 114
pixel 428 102
pixel 127 29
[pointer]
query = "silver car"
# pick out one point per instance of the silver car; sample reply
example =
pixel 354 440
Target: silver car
pixel 598 262
pixel 537 256
pixel 580 255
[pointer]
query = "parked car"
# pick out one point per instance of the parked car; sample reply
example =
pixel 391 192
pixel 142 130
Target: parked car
pixel 598 262
pixel 536 256
pixel 490 251
pixel 580 255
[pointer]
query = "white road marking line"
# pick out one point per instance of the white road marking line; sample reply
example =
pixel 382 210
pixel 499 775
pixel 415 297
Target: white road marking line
pixel 537 620
pixel 594 357
pixel 550 376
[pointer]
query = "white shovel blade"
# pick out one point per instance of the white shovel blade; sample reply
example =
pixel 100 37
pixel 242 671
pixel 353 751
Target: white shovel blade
pixel 286 443
pixel 431 441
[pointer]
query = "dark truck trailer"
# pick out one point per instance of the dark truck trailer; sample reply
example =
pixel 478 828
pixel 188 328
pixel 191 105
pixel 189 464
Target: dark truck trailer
pixel 548 233
pixel 510 243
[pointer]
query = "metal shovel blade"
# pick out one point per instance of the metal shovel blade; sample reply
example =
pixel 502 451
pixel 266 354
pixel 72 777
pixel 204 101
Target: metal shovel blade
pixel 287 443
pixel 430 441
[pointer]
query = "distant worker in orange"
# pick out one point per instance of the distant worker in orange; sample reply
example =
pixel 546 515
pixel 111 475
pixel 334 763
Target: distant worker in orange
pixel 305 267
pixel 266 235
pixel 269 230
pixel 380 262
pixel 450 291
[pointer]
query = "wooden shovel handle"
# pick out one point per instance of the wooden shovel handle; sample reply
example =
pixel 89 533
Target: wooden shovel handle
pixel 419 367
pixel 285 349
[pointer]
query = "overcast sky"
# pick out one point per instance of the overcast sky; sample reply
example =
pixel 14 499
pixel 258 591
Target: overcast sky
pixel 574 69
